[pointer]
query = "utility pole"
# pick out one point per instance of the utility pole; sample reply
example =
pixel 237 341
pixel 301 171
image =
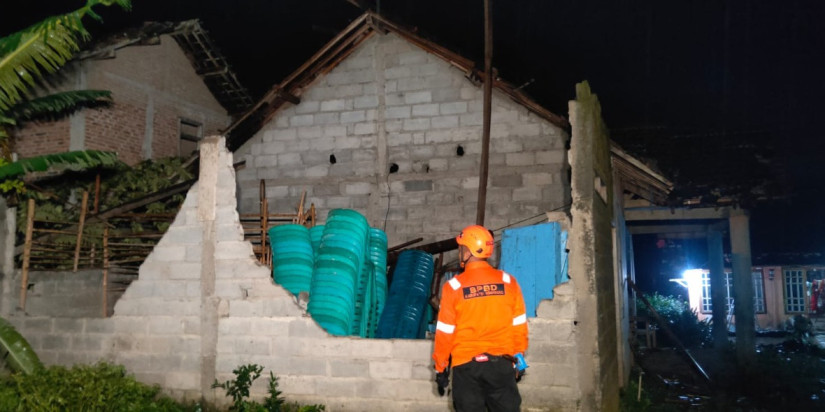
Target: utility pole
pixel 488 94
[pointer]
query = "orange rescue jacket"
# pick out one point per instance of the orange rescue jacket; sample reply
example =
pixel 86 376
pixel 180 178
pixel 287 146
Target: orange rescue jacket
pixel 481 311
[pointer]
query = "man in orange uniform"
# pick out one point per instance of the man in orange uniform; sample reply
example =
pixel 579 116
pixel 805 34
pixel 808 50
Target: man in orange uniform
pixel 482 329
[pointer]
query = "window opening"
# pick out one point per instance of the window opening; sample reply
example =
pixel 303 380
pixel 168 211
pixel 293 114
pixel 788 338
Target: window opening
pixel 794 291
pixel 191 132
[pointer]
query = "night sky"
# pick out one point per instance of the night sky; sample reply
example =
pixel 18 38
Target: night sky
pixel 747 73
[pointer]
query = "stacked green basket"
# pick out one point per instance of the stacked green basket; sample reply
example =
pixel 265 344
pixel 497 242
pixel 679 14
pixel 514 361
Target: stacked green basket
pixel 338 267
pixel 292 257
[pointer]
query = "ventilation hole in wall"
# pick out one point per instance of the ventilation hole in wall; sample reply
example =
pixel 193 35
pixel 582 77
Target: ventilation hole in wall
pixel 459 151
pixel 332 159
pixel 393 168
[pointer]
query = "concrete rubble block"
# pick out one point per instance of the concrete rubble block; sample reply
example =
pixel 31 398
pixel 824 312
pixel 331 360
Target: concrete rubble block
pixel 364 128
pixel 418 97
pixel 390 369
pixel 297 385
pixel 526 194
pixel 56 342
pixel 67 325
pixel 347 142
pixel 183 271
pixel 29 325
pixel 551 353
pixel 553 398
pixel 308 366
pixel 415 390
pixel 99 325
pixel 418 185
pixel 551 157
pixel 326 118
pixel 349 368
pixel 422 368
pixel 356 188
pixel 509 180
pixel 301 120
pixel 290 134
pixel 165 325
pixel 377 389
pixel 442 122
pixel 398 112
pixel 308 106
pixel 341 387
pixel 416 124
pixel 537 179
pixel 167 253
pixel 559 332
pixel 182 380
pixel 365 102
pixel 353 116
pixel 408 349
pixel 505 145
pixel 520 159
pixel 270 326
pixel 231 250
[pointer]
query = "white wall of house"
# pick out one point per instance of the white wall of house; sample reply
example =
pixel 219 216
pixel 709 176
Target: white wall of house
pixel 393 103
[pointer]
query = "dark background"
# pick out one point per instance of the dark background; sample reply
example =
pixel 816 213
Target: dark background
pixel 720 95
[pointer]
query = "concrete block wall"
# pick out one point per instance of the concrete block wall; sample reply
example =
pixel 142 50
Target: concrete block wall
pixel 152 87
pixel 393 103
pixel 204 306
pixel 591 263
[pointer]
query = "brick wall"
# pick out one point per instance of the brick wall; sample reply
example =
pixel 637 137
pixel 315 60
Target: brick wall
pixel 152 87
pixel 203 306
pixel 392 103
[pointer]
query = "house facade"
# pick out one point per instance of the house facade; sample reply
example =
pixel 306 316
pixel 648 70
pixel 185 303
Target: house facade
pixel 161 100
pixel 779 294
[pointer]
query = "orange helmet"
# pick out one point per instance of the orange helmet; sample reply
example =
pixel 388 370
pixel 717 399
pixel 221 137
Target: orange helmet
pixel 478 240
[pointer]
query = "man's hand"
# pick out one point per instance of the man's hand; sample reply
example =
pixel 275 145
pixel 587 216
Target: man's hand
pixel 520 366
pixel 442 379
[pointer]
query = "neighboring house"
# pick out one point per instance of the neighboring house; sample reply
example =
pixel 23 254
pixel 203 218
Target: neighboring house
pixel 779 294
pixel 385 122
pixel 169 87
pixel 378 99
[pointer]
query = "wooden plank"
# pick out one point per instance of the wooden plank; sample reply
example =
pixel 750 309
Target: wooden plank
pixel 154 197
pixel 27 252
pixel 84 205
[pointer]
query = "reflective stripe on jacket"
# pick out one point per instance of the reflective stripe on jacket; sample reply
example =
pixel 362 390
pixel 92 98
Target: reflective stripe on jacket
pixel 481 311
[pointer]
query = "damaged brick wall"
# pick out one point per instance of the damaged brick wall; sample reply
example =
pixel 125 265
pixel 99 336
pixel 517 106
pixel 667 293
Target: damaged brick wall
pixel 203 306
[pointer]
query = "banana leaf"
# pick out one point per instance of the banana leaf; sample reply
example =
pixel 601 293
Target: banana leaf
pixel 78 160
pixel 26 56
pixel 57 104
pixel 16 351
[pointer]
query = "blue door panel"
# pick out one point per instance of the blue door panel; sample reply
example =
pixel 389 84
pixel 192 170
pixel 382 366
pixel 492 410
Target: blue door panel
pixel 536 257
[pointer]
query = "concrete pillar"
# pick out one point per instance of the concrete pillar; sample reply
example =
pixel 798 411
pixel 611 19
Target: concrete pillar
pixel 207 199
pixel 717 289
pixel 77 121
pixel 743 288
pixel 149 128
pixel 8 226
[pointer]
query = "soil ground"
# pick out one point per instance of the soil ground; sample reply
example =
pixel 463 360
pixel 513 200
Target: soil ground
pixel 787 375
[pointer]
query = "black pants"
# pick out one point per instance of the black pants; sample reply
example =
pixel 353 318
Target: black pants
pixel 490 385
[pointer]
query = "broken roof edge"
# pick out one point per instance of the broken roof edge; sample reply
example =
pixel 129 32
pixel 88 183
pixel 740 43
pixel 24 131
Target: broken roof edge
pixel 201 53
pixel 341 46
pixel 639 178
